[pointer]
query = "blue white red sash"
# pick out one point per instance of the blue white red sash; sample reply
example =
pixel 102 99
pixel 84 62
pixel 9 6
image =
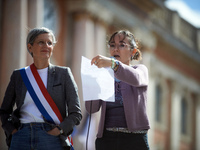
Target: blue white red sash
pixel 42 99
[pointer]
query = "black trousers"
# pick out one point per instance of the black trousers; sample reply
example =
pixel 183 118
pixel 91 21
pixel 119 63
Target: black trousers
pixel 122 141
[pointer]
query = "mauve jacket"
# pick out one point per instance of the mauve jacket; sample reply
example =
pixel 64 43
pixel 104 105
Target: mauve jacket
pixel 134 83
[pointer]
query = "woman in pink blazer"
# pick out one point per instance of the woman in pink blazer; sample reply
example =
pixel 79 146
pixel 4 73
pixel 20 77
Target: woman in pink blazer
pixel 124 123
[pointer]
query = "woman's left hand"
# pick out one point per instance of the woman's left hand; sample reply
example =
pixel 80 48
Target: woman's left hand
pixel 101 61
pixel 55 131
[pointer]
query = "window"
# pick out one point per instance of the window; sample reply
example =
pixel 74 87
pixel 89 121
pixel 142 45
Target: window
pixel 51 17
pixel 158 108
pixel 184 112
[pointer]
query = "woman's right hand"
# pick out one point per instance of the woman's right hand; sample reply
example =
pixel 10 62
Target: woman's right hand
pixel 101 61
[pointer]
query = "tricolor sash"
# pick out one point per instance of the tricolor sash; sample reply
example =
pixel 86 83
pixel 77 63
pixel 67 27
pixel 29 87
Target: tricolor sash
pixel 42 98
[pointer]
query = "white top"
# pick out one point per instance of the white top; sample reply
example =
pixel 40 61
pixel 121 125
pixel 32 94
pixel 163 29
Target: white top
pixel 29 111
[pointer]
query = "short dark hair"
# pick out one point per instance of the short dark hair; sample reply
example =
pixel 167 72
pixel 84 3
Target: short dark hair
pixel 134 43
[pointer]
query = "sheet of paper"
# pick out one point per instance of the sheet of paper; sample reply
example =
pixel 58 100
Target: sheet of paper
pixel 97 83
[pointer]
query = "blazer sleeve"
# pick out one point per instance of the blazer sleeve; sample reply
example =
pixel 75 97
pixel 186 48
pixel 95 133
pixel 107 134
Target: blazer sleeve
pixel 136 76
pixel 73 104
pixel 6 110
pixel 93 106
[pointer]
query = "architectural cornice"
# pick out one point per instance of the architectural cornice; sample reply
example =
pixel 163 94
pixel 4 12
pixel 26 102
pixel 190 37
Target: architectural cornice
pixel 173 74
pixel 94 8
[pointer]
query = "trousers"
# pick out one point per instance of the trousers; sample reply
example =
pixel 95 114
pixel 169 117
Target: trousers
pixel 122 141
pixel 34 136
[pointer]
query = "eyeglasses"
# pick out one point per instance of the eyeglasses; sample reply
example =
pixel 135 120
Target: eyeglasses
pixel 44 43
pixel 120 46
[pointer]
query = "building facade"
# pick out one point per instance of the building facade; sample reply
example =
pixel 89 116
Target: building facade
pixel 170 47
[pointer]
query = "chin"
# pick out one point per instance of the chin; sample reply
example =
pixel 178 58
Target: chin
pixel 118 58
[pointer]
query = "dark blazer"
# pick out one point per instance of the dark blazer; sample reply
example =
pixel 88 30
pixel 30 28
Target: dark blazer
pixel 63 90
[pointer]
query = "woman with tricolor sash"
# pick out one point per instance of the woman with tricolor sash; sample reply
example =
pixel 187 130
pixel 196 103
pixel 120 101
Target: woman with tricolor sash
pixel 46 98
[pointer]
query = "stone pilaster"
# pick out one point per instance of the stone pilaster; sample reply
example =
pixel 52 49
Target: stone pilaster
pixel 35 11
pixel 13 48
pixel 176 120
pixel 14 39
pixel 176 24
pixel 198 123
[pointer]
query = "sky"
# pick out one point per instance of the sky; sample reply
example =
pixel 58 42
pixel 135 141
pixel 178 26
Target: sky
pixel 187 9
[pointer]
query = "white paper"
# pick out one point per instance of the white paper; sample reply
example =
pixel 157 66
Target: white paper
pixel 97 83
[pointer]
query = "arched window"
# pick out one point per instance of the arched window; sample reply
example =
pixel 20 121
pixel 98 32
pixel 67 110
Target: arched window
pixel 158 104
pixel 184 112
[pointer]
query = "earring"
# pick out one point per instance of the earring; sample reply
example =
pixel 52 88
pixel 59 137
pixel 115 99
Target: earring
pixel 134 51
pixel 134 54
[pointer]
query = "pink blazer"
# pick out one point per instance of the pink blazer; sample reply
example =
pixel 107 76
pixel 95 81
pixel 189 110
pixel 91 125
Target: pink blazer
pixel 134 83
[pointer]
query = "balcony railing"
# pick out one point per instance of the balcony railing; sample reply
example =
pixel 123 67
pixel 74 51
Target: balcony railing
pixel 171 22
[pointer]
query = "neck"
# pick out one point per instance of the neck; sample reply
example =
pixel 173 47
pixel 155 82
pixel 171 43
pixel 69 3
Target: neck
pixel 41 64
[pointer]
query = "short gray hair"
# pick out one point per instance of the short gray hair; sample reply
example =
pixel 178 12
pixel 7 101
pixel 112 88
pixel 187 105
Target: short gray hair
pixel 33 33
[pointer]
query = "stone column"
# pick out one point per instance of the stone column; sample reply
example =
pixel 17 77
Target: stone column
pixel 14 39
pixel 13 48
pixel 100 39
pixel 176 120
pixel 83 42
pixel 168 94
pixel 151 109
pixel 89 39
pixel 35 13
pixel 35 19
pixel 147 59
pixel 99 48
pixel 198 123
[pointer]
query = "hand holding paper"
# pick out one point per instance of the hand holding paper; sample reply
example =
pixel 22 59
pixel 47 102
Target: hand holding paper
pixel 97 83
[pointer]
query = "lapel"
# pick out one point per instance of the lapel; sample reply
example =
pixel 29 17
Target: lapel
pixel 23 89
pixel 50 77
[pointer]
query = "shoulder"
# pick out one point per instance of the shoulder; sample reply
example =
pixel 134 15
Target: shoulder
pixel 140 66
pixel 141 69
pixel 16 72
pixel 59 68
pixel 62 68
pixel 16 75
